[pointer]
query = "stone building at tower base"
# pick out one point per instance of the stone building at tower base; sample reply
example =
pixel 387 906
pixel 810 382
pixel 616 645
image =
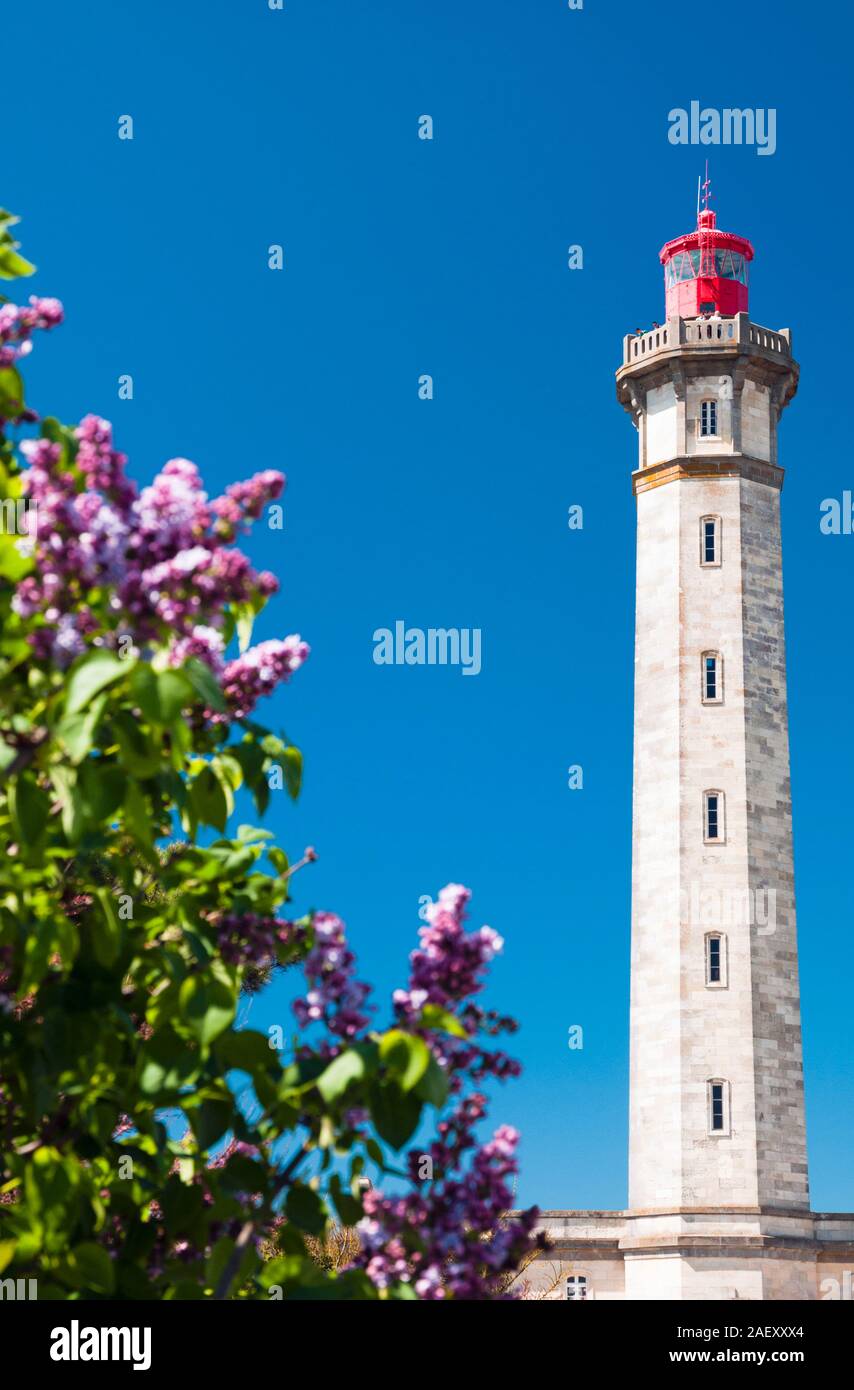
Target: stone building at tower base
pixel 741 1253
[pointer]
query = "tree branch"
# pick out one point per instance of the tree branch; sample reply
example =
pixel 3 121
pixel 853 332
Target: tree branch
pixel 245 1234
pixel 24 756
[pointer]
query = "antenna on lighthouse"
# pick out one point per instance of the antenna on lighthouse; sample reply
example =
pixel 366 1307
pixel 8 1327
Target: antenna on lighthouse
pixel 707 187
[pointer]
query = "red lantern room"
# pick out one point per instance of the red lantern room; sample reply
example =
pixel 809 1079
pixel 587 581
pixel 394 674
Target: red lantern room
pixel 705 271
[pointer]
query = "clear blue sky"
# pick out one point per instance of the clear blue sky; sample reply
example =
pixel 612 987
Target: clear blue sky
pixel 406 257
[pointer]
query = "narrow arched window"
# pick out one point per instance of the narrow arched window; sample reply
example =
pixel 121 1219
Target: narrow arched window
pixel 716 960
pixel 708 419
pixel 710 540
pixel 712 678
pixel 718 1106
pixel 713 817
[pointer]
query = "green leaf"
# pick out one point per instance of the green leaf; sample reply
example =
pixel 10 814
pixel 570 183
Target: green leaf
pixel 278 859
pixel 208 798
pixel 251 834
pixel 182 1204
pixel 395 1112
pixel 7 1252
pixel 433 1086
pixel 103 787
pixel 12 266
pixel 166 1063
pixel 285 1269
pixel 442 1021
pixel 143 691
pixel 63 435
pixel 375 1152
pixel 161 695
pixel 204 683
pixel 230 773
pixel 406 1056
pixel 90 1268
pixel 241 1174
pixel 244 615
pixel 11 390
pixel 306 1210
pixel 246 1050
pixel 29 807
pixel 76 732
pixel 107 928
pixel 292 768
pixel 13 565
pixel 41 942
pixel 136 818
pixel 89 675
pixel 65 785
pixel 175 693
pixel 207 1006
pixel 210 1121
pixel 137 749
pixel 346 1068
pixel 217 1261
pixel 349 1208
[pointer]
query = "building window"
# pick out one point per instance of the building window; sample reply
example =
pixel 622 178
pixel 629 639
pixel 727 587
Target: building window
pixel 717 1098
pixel 708 419
pixel 716 960
pixel 712 676
pixel 713 817
pixel 710 540
pixel 576 1287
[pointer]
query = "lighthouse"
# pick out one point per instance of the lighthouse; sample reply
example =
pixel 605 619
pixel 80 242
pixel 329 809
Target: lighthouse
pixel 716 1079
pixel 718 1193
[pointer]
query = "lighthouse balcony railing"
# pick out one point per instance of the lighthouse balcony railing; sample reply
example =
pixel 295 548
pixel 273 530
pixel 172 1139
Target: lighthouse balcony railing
pixel 712 332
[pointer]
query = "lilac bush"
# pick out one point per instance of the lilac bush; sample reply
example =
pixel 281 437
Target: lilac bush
pixel 150 1146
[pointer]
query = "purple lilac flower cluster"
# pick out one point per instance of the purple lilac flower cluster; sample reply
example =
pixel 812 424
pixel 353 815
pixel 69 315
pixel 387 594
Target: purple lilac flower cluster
pixel 457 1235
pixel 334 997
pixel 450 965
pixel 19 321
pixel 258 672
pixel 153 566
pixel 248 939
pixel 245 501
pixel 447 970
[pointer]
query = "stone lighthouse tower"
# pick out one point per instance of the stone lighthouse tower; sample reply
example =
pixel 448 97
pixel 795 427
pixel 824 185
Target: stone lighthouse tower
pixel 717 1101
pixel 718 1189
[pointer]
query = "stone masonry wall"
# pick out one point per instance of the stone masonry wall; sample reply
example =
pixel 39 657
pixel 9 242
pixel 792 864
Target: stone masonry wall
pixel 780 1124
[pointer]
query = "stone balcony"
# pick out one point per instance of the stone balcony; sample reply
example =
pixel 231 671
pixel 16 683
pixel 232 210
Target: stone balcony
pixel 682 350
pixel 714 334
